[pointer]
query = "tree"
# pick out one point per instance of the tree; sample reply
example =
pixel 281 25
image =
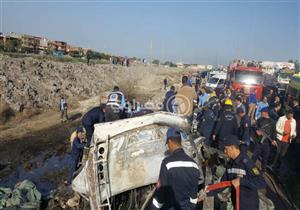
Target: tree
pixel 156 62
pixel 13 45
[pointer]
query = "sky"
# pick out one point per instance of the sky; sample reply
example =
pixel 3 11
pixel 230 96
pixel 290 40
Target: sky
pixel 190 31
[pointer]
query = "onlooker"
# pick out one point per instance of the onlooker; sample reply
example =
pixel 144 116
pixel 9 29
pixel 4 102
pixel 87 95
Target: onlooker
pixel 286 131
pixel 260 105
pixel 239 104
pixel 169 100
pixel 63 106
pixel 203 96
pixel 165 83
pixel 185 98
pixel 275 112
pixel 252 103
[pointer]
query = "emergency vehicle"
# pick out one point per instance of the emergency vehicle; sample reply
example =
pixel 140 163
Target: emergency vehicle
pixel 246 78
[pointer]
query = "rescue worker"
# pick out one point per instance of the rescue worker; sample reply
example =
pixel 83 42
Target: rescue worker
pixel 76 153
pixel 115 105
pixel 92 117
pixel 206 123
pixel 286 132
pixel 265 136
pixel 226 125
pixel 243 173
pixel 177 186
pixel 185 99
pixel 244 130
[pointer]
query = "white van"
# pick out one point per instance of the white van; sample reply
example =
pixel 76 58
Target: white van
pixel 217 81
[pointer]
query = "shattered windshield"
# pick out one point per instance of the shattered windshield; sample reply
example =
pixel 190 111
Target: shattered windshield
pixel 213 80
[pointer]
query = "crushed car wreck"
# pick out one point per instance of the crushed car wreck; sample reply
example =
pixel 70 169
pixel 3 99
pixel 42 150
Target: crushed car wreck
pixel 126 155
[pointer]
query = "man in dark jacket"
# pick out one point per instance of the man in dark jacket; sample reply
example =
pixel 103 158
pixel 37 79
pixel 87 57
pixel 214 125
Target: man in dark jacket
pixel 226 125
pixel 169 100
pixel 92 117
pixel 206 123
pixel 178 178
pixel 76 153
pixel 244 130
pixel 243 173
pixel 265 136
pixel 275 112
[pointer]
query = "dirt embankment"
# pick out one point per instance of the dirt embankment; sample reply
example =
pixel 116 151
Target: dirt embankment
pixel 30 83
pixel 38 84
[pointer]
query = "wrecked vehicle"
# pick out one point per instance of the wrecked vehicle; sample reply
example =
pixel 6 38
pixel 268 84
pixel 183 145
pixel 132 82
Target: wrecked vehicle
pixel 126 155
pixel 124 162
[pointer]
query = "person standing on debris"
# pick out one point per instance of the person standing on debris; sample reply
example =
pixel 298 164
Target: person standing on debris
pixel 265 135
pixel 63 106
pixel 76 153
pixel 115 106
pixel 226 125
pixel 165 83
pixel 178 177
pixel 286 132
pixel 245 127
pixel 185 99
pixel 169 100
pixel 243 173
pixel 92 117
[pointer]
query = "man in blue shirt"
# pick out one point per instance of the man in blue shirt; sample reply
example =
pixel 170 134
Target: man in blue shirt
pixel 203 97
pixel 260 105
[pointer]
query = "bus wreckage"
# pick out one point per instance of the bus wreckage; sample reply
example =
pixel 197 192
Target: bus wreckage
pixel 124 162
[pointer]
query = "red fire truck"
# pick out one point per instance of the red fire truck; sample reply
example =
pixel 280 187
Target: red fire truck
pixel 246 79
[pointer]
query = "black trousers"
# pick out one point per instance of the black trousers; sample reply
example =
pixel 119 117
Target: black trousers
pixel 262 150
pixel 282 148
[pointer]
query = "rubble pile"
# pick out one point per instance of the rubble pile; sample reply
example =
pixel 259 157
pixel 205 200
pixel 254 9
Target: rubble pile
pixel 33 82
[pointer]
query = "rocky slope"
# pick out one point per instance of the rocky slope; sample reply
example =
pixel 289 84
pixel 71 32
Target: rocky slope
pixel 33 82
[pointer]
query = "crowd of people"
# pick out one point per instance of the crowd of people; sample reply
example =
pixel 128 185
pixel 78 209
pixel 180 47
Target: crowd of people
pixel 245 128
pixel 230 121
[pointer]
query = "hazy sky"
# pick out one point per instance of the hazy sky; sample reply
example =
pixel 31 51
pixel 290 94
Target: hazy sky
pixel 189 31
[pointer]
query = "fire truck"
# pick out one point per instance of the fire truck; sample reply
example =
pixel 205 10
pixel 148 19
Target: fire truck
pixel 244 78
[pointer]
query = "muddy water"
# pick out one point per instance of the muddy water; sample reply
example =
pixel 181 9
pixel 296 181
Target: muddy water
pixel 46 172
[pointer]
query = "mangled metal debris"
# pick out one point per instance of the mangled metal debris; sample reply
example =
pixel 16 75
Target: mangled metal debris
pixel 126 154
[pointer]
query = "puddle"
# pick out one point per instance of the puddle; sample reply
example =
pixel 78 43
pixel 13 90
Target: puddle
pixel 44 171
